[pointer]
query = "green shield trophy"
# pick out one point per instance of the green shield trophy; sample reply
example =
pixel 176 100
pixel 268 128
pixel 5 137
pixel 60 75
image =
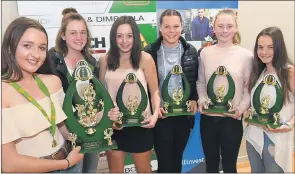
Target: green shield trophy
pixel 221 102
pixel 177 104
pixel 133 112
pixel 261 113
pixel 87 121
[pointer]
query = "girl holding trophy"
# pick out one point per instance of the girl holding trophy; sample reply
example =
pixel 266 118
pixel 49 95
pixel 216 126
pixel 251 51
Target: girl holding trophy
pixel 222 87
pixel 125 57
pixel 33 132
pixel 270 146
pixel 73 45
pixel 173 128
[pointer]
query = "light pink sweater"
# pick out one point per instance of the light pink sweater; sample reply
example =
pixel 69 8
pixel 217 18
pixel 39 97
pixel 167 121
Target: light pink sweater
pixel 237 61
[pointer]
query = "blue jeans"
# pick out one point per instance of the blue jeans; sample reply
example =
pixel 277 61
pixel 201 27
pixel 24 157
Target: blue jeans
pixel 74 169
pixel 267 164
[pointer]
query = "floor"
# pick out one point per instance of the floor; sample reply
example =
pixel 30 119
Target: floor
pixel 243 164
pixel 244 167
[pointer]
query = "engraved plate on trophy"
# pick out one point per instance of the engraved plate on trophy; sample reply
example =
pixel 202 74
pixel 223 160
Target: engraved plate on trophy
pixel 88 123
pixel 132 110
pixel 176 104
pixel 261 112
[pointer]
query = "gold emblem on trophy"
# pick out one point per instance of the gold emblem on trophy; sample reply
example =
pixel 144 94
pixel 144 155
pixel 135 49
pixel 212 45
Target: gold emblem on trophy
pixel 264 105
pixel 270 80
pixel 177 95
pixel 88 117
pixel 132 104
pixel 220 94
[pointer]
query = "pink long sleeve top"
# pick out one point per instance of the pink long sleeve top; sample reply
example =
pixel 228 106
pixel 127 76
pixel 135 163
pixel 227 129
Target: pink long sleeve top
pixel 237 61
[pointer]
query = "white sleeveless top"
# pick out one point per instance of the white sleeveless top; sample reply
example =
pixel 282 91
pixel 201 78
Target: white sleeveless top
pixel 25 124
pixel 283 141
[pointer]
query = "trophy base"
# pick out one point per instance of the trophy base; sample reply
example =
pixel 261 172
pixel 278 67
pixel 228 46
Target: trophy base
pixel 131 122
pixel 178 114
pixel 217 110
pixel 262 121
pixel 97 147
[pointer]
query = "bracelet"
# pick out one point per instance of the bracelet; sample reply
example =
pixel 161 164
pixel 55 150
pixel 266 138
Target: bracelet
pixel 289 124
pixel 68 163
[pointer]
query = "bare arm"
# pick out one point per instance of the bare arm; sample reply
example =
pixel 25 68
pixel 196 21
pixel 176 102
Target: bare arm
pixel 150 72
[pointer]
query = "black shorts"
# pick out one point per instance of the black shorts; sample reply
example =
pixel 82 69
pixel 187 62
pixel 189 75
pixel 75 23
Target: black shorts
pixel 134 139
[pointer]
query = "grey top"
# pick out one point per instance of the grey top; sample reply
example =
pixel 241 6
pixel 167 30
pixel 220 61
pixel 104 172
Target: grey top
pixel 167 58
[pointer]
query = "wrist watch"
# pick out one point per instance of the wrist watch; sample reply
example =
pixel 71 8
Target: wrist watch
pixel 289 124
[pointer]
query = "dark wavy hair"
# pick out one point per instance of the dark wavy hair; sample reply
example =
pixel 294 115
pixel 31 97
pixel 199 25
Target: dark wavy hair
pixel 280 60
pixel 10 70
pixel 71 14
pixel 113 60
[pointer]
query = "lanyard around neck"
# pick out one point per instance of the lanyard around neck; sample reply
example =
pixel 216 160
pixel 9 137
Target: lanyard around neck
pixel 164 61
pixel 44 89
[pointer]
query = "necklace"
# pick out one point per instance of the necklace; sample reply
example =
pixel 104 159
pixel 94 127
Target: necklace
pixel 44 89
pixel 170 61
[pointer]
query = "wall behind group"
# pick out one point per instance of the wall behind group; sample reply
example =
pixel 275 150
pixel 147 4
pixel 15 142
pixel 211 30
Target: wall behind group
pixel 253 17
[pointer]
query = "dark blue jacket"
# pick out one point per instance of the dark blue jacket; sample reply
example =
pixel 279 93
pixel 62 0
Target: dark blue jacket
pixel 200 28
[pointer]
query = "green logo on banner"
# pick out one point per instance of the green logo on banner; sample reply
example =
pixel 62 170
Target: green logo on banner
pixel 133 6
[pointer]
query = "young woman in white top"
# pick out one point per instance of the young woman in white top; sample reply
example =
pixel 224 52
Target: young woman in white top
pixel 221 134
pixel 33 132
pixel 271 150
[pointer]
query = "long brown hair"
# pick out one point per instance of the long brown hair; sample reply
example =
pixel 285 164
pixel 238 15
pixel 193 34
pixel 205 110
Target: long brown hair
pixel 10 70
pixel 113 60
pixel 71 14
pixel 280 60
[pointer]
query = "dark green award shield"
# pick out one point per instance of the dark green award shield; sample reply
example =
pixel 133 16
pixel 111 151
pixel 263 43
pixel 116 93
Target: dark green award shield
pixel 133 112
pixel 221 102
pixel 261 113
pixel 178 104
pixel 89 124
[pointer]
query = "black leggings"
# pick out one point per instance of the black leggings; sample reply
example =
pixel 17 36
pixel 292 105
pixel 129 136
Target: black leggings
pixel 170 137
pixel 221 136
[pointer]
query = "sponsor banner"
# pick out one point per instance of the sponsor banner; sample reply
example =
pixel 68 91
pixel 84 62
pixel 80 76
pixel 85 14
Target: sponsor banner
pixel 193 157
pixel 99 15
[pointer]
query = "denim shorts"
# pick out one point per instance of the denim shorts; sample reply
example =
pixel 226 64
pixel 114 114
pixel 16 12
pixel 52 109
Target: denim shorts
pixel 74 169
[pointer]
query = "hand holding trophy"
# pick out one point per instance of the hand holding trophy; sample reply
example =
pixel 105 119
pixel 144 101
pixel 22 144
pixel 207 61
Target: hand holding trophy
pixel 261 113
pixel 88 122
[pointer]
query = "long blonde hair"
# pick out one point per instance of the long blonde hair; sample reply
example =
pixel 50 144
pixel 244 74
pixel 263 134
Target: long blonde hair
pixel 237 36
